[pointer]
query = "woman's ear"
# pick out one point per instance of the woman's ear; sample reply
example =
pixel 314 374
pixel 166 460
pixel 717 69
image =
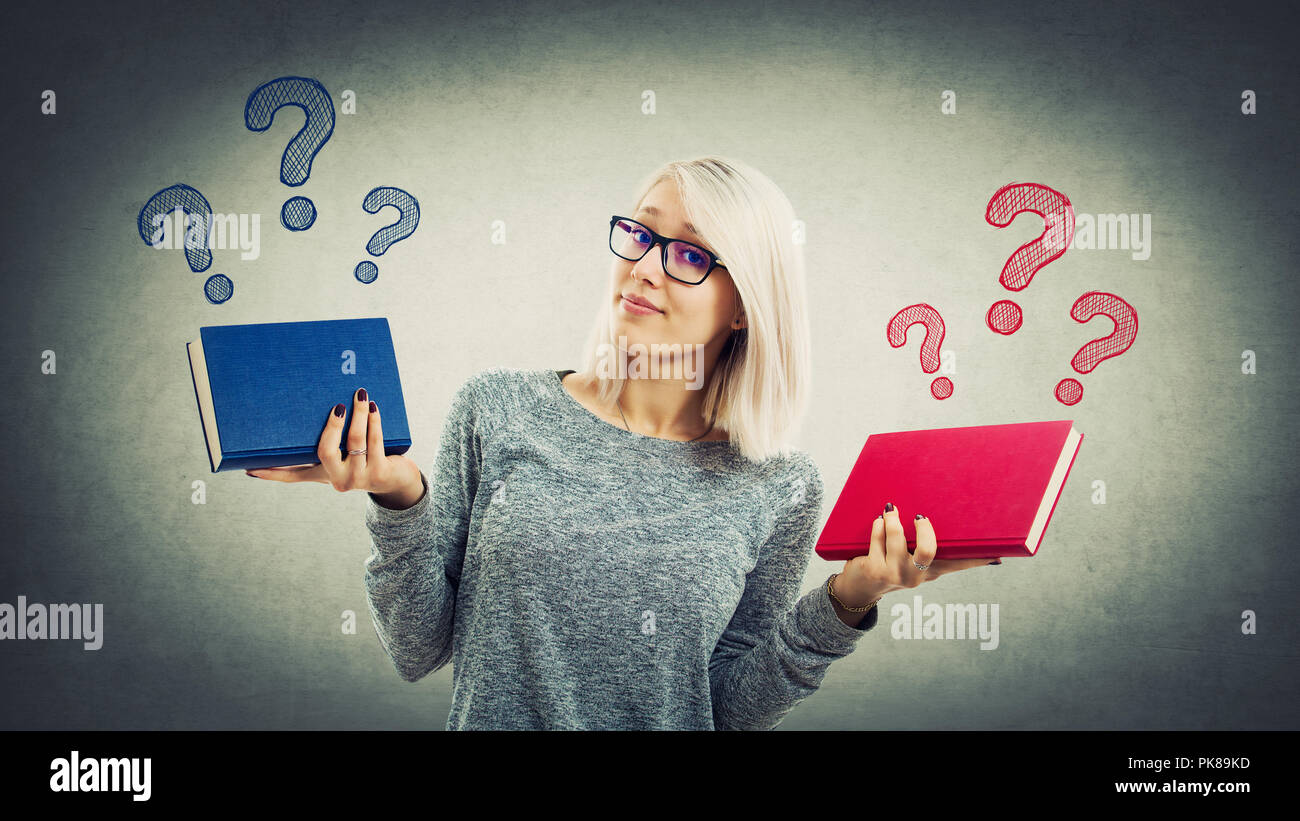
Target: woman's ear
pixel 740 321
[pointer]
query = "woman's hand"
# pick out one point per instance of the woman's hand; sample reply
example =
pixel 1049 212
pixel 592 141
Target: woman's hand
pixel 395 478
pixel 888 566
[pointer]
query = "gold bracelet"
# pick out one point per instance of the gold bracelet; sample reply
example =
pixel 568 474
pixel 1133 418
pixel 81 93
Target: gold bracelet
pixel 842 604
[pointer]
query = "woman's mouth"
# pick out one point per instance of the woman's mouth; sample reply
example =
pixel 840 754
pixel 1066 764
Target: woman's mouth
pixel 635 308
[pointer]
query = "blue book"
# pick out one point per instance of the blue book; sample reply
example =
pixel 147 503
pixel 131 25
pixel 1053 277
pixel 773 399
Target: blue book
pixel 266 391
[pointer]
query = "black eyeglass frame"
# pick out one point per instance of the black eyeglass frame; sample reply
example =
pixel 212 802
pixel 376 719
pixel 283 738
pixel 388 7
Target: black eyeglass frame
pixel 663 242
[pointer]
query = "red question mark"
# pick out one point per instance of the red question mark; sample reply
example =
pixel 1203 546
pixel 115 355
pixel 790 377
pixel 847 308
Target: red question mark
pixel 896 332
pixel 1093 303
pixel 1007 202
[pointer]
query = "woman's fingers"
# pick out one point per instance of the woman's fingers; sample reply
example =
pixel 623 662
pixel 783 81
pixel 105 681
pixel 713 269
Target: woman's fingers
pixel 888 553
pixel 375 460
pixel 333 469
pixel 295 473
pixel 899 558
pixel 327 449
pixel 355 463
pixel 896 549
pixel 942 566
pixel 927 547
pixel 877 551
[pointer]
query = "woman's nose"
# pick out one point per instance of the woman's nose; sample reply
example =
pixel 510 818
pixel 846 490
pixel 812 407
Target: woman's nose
pixel 650 266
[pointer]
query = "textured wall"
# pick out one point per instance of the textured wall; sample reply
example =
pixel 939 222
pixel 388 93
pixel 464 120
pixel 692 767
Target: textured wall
pixel 227 614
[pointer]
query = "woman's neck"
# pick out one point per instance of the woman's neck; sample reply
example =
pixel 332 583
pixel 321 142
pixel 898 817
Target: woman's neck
pixel 664 408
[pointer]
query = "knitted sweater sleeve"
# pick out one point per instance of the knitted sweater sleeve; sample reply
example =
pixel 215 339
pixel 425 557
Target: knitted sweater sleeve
pixel 414 571
pixel 775 650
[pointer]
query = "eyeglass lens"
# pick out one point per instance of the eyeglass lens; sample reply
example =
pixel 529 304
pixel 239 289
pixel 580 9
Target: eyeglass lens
pixel 686 262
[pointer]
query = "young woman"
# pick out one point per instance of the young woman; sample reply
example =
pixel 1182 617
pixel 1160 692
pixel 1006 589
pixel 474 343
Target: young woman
pixel 621 547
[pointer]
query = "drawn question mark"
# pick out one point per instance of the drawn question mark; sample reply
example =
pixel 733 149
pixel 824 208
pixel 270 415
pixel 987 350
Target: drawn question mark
pixel 383 239
pixel 298 213
pixel 1091 304
pixel 218 288
pixel 1007 202
pixel 929 318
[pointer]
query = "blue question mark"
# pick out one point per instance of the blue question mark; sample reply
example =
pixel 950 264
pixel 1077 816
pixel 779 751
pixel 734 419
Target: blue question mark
pixel 366 271
pixel 298 213
pixel 218 287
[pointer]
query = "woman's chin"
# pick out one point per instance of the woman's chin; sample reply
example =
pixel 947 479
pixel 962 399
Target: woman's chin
pixel 625 332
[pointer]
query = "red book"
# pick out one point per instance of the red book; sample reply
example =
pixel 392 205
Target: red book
pixel 988 490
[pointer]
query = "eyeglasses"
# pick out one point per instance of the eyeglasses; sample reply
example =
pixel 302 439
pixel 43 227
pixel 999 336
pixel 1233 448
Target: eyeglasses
pixel 683 261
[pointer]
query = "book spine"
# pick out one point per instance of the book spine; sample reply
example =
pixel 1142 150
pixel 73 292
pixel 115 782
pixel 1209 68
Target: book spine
pixel 986 549
pixel 297 456
pixel 194 382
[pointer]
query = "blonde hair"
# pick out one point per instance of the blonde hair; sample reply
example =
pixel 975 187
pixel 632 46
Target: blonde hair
pixel 761 381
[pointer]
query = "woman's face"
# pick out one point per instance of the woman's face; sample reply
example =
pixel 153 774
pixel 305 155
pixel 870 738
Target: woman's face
pixel 687 314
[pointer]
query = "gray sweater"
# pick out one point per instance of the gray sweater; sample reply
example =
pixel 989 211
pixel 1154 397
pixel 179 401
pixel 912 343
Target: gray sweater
pixel 581 576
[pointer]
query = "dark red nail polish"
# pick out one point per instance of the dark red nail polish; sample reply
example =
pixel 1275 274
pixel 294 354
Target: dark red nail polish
pixel 361 395
pixel 338 410
pixel 996 561
pixel 372 407
pixel 889 506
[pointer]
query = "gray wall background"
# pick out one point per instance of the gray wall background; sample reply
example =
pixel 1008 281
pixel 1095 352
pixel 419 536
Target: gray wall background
pixel 227 615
